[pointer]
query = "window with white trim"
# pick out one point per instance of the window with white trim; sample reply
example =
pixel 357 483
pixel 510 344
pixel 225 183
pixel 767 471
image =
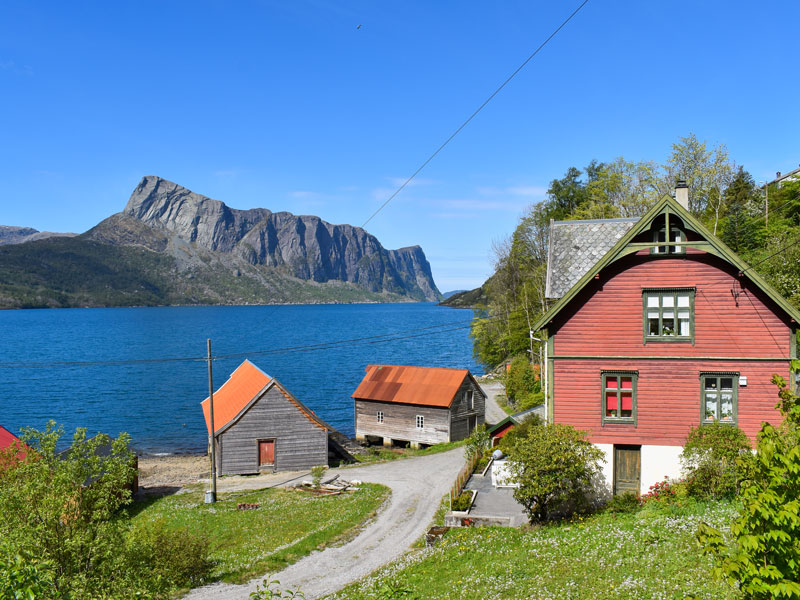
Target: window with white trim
pixel 420 422
pixel 718 396
pixel 668 314
pixel 379 416
pixel 619 396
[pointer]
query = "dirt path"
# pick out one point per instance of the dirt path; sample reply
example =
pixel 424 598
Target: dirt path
pixel 417 484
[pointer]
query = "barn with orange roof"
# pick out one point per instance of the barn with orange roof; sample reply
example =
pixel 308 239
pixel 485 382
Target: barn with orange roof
pixel 417 405
pixel 261 426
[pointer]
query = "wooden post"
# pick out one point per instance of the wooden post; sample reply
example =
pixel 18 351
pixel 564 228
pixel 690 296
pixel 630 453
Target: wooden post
pixel 212 436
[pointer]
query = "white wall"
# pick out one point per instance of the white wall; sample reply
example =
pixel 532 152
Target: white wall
pixel 657 462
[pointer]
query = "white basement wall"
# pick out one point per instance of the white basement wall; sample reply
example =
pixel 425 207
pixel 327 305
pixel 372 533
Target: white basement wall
pixel 657 462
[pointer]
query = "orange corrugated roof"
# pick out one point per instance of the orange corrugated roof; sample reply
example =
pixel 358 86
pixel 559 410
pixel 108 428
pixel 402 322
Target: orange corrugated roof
pixel 425 386
pixel 229 400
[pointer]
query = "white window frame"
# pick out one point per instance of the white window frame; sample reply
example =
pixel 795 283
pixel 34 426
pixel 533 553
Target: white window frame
pixel 379 416
pixel 420 421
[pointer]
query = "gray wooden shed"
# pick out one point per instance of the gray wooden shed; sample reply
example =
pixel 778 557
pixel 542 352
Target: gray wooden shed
pixel 262 427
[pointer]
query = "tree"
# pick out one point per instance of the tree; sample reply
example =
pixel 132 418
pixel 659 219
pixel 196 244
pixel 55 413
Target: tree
pixel 764 560
pixel 741 199
pixel 64 507
pixel 555 466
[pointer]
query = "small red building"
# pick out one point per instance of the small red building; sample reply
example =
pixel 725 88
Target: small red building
pixel 656 327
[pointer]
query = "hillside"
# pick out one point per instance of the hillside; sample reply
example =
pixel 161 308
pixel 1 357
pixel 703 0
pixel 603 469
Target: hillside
pixel 172 246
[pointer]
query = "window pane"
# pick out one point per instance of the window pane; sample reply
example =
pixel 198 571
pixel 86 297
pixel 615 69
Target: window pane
pixel 627 404
pixel 627 383
pixel 611 383
pixel 652 302
pixel 683 323
pixel 667 301
pixel 726 383
pixel 652 326
pixel 683 301
pixel 668 323
pixel 611 403
pixel 726 407
pixel 711 383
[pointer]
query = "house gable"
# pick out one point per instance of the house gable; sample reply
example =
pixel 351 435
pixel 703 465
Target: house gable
pixel 634 242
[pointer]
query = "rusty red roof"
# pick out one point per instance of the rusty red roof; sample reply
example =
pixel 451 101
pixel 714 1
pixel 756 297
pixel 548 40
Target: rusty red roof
pixel 6 438
pixel 235 394
pixel 423 386
pixel 243 386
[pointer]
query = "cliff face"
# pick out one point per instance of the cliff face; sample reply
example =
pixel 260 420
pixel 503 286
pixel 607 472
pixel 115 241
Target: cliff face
pixel 165 217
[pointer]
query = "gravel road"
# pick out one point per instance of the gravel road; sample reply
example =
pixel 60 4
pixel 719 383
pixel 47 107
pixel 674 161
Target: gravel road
pixel 417 484
pixel 494 414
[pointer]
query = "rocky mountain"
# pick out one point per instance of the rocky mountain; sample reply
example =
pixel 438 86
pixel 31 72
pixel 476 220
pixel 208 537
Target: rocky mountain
pixel 19 235
pixel 170 245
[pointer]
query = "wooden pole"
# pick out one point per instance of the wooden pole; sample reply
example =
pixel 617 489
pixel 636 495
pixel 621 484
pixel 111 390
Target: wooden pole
pixel 212 436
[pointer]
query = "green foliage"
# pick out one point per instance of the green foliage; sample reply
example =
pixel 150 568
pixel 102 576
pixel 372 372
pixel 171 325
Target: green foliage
pixel 523 387
pixel 764 559
pixel 477 442
pixel 709 459
pixel 270 589
pixel 462 502
pixel 520 430
pixel 24 577
pixel 623 503
pixel 316 474
pixel 168 557
pixel 741 203
pixel 554 466
pixel 64 508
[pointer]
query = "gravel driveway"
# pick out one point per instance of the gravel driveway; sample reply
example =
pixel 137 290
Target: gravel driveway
pixel 494 414
pixel 417 484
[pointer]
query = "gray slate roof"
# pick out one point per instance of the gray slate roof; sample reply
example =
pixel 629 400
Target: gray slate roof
pixel 576 246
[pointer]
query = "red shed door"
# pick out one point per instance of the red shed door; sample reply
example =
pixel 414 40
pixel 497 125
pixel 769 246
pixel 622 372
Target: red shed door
pixel 266 453
pixel 627 469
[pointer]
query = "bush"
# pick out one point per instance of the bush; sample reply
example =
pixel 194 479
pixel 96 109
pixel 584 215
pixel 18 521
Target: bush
pixel 522 383
pixel 763 562
pixel 519 431
pixel 64 508
pixel 624 503
pixel 477 442
pixel 316 474
pixel 709 460
pixel 661 491
pixel 554 466
pixel 462 502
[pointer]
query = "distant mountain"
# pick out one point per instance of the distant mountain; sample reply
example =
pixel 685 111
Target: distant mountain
pixel 467 299
pixel 172 246
pixel 446 295
pixel 19 235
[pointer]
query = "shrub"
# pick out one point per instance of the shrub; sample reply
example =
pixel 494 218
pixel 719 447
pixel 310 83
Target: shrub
pixel 316 474
pixel 521 381
pixel 624 503
pixel 519 431
pixel 64 507
pixel 660 491
pixel 554 466
pixel 462 502
pixel 709 460
pixel 763 562
pixel 477 442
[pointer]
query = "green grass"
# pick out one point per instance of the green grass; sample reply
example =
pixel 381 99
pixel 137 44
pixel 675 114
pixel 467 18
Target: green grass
pixel 289 525
pixel 380 454
pixel 647 555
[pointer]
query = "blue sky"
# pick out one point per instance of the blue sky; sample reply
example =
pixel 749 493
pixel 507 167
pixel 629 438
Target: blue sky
pixel 291 106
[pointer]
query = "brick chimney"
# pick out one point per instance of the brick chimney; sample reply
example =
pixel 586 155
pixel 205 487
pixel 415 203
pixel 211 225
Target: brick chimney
pixel 682 193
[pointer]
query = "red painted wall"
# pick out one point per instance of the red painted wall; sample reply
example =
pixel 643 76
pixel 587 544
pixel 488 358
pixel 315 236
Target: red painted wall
pixel 606 320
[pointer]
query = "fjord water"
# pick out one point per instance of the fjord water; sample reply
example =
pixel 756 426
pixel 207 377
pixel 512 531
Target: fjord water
pixel 158 402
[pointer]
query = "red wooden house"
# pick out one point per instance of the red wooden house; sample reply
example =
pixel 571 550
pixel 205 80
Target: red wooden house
pixel 664 329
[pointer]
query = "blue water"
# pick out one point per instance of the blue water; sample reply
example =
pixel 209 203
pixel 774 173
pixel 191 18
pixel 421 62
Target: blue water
pixel 158 403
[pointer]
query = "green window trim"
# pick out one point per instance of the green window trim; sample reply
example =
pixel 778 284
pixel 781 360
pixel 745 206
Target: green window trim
pixel 676 236
pixel 719 397
pixel 618 403
pixel 664 312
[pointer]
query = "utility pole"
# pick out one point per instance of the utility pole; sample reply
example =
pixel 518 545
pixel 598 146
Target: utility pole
pixel 211 496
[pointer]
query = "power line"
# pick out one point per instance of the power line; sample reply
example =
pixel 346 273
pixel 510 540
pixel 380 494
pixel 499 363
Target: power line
pixel 474 114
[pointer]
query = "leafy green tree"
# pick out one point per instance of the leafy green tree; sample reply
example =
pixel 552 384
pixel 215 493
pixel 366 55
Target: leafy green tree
pixel 477 442
pixel 555 466
pixel 764 560
pixel 64 507
pixel 741 199
pixel 709 459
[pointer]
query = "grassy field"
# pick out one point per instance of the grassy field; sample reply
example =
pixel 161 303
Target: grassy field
pixel 288 525
pixel 647 555
pixel 381 454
